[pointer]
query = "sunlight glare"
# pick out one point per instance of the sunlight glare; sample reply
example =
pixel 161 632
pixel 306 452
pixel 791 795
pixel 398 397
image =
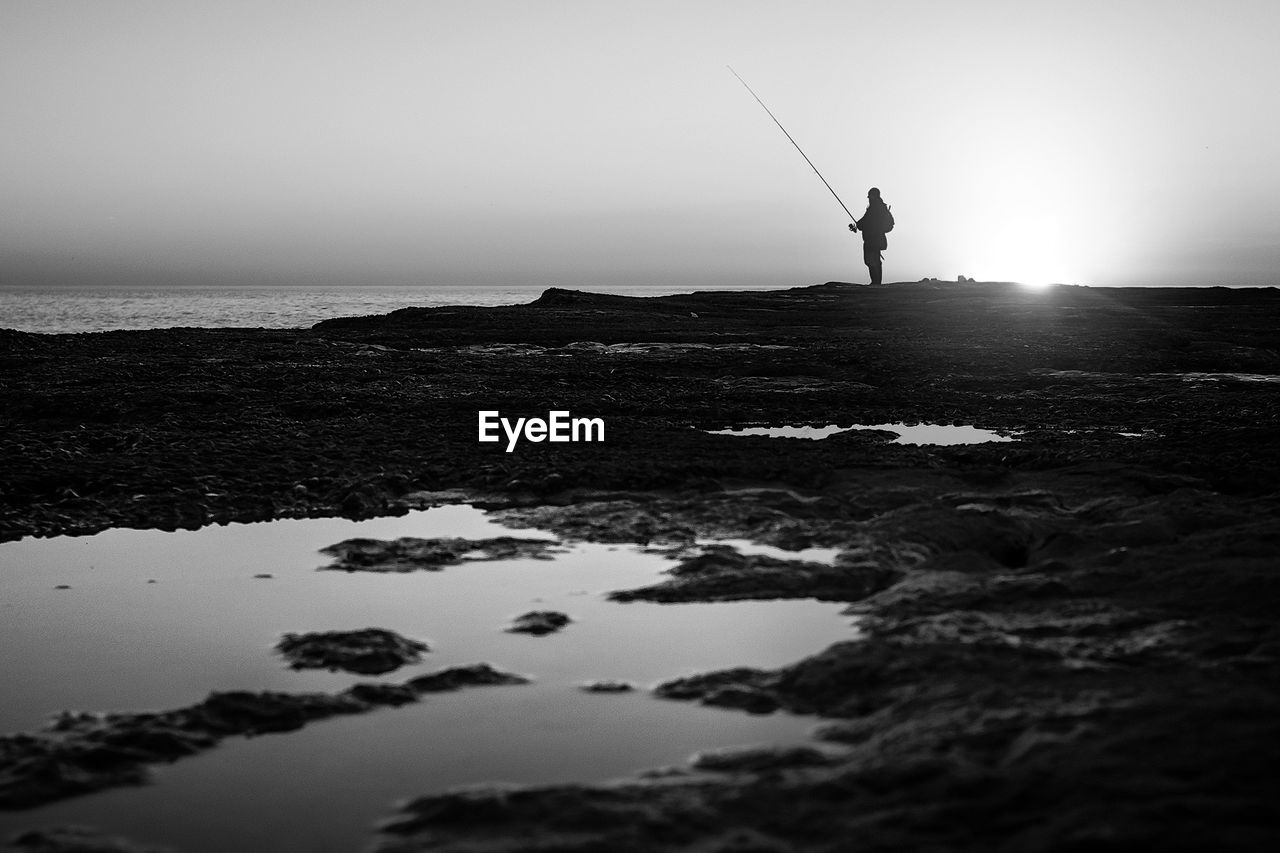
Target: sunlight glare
pixel 1029 249
pixel 1030 203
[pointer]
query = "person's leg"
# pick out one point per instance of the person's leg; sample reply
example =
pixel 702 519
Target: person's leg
pixel 871 257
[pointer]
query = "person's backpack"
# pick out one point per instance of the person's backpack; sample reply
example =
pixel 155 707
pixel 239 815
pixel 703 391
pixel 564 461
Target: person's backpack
pixel 888 219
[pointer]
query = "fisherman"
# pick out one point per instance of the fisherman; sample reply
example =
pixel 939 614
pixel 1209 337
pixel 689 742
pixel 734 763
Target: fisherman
pixel 874 224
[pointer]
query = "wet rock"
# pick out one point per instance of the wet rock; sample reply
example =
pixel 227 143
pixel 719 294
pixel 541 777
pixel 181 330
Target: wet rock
pixel 741 698
pixel 606 519
pixel 371 651
pixel 384 694
pixel 538 622
pixel 74 839
pixel 757 759
pixel 1115 556
pixel 409 554
pixel 1003 534
pixel 455 678
pixel 245 712
pixel 958 742
pixel 607 686
pixel 1136 532
pixel 778 517
pixel 926 592
pixel 721 573
pixel 506 818
pixel 741 688
pixel 364 500
pixel 850 679
pixel 79 752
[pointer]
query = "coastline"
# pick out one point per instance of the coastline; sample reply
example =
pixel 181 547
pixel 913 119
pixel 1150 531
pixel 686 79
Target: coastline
pixel 1070 639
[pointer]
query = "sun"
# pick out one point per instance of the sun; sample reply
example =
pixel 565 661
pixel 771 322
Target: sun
pixel 1030 249
pixel 1029 210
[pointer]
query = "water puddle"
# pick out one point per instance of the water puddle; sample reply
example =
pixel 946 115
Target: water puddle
pixel 138 620
pixel 907 433
pixel 1219 377
pixel 746 546
pixel 1038 432
pixel 1147 377
pixel 660 348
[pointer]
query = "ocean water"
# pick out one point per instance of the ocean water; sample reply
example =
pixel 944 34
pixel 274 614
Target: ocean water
pixel 60 310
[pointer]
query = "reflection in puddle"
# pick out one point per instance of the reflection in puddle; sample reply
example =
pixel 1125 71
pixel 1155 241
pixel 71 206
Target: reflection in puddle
pixel 907 433
pixel 1238 377
pixel 156 620
pixel 1088 375
pixel 746 546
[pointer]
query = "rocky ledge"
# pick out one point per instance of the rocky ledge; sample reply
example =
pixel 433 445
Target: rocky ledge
pixel 1068 641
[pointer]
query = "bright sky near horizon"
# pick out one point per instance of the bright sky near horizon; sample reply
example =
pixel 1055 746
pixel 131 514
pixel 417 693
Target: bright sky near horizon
pixel 594 142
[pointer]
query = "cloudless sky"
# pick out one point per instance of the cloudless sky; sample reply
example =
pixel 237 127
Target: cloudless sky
pixel 557 142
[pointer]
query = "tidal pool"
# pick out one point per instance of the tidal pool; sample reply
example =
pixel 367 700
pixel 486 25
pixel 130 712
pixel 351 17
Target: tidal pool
pixel 907 433
pixel 146 620
pixel 1217 377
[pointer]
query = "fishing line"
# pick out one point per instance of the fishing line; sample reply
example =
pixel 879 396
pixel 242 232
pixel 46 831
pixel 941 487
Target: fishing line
pixel 793 142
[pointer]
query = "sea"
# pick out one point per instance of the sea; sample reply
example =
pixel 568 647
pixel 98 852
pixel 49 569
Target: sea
pixel 63 310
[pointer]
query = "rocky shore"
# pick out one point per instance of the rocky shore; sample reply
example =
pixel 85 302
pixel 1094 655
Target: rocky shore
pixel 1070 640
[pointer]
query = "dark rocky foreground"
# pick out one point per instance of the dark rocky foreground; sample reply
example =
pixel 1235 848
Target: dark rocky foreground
pixel 79 752
pixel 1071 639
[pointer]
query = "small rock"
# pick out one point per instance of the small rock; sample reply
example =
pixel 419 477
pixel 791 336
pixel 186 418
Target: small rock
pixel 456 677
pixel 607 685
pixel 1115 556
pixel 371 651
pixel 538 622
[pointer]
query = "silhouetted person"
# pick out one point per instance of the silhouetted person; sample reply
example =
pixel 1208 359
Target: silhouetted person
pixel 874 224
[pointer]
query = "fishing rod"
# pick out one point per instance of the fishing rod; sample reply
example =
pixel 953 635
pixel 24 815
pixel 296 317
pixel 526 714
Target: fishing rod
pixel 793 142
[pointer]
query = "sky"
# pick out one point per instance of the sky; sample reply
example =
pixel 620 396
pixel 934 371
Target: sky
pixel 603 143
